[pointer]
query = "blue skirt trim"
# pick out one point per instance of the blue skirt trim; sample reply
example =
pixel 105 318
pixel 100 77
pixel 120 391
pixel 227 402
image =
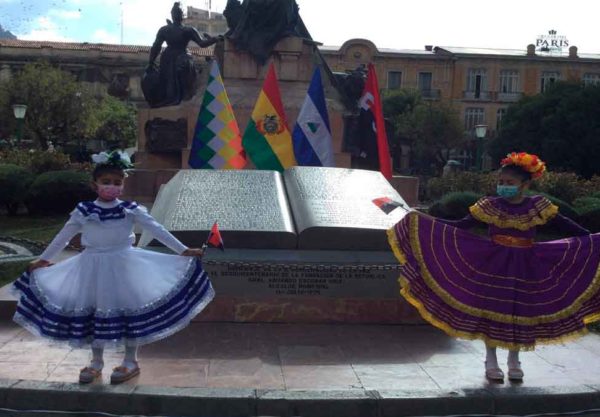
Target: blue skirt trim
pixel 143 326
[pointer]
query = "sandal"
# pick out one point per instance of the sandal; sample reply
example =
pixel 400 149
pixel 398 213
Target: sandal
pixel 515 373
pixel 88 375
pixel 121 374
pixel 494 374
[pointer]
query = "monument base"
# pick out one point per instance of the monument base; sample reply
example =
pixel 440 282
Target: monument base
pixel 290 286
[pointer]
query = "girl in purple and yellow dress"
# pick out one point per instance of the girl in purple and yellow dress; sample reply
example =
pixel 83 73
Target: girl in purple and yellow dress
pixel 507 290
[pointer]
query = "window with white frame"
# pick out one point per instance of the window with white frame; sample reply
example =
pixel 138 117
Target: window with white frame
pixel 590 78
pixel 500 113
pixel 509 81
pixel 474 116
pixel 477 80
pixel 548 78
pixel 394 80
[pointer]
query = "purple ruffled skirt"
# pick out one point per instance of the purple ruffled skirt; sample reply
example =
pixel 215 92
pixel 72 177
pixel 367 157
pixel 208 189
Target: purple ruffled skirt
pixel 512 297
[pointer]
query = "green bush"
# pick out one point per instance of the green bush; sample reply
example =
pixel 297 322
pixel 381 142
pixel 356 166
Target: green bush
pixel 589 217
pixel 565 186
pixel 57 192
pixel 461 181
pixel 584 202
pixel 36 161
pixel 562 185
pixel 454 205
pixel 14 183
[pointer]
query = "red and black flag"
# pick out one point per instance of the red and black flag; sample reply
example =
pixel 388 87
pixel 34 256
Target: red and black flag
pixel 373 139
pixel 386 204
pixel 214 238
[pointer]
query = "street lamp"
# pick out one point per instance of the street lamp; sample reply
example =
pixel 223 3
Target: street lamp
pixel 480 132
pixel 19 110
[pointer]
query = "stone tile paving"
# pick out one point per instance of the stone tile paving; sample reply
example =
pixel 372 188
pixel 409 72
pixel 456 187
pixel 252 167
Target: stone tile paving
pixel 304 357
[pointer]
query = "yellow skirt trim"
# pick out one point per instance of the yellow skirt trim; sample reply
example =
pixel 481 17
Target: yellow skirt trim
pixel 431 283
pixel 393 241
pixel 491 342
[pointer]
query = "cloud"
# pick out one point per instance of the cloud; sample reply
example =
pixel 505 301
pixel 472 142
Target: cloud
pixel 65 14
pixel 102 36
pixel 44 29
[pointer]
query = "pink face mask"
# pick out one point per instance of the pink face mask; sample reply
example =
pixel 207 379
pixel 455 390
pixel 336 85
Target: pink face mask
pixel 109 192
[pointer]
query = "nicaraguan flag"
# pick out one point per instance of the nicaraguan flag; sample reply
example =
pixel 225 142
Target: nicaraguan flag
pixel 312 136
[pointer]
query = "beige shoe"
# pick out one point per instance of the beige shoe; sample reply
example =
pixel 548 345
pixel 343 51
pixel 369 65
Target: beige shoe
pixel 494 374
pixel 515 372
pixel 88 375
pixel 121 374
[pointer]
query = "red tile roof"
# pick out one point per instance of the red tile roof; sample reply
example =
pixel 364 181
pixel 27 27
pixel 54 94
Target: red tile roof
pixel 86 46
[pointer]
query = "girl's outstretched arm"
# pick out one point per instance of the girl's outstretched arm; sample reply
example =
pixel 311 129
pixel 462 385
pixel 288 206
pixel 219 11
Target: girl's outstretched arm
pixel 568 226
pixel 62 239
pixel 149 223
pixel 467 222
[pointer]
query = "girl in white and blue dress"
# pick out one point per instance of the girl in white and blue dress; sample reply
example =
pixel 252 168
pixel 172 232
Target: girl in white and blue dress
pixel 111 293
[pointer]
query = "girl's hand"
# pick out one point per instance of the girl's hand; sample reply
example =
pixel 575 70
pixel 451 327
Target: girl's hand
pixel 193 252
pixel 40 263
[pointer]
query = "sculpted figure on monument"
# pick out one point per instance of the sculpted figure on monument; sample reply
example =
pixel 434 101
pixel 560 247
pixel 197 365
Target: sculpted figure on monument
pixel 256 26
pixel 176 77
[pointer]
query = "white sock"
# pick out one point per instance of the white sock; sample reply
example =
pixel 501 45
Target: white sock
pixel 130 359
pixel 513 358
pixel 97 358
pixel 491 360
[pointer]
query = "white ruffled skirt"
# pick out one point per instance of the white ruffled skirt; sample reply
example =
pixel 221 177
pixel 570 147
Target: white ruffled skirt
pixel 125 296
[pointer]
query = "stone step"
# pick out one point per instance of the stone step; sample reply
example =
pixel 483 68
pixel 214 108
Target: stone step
pixel 153 401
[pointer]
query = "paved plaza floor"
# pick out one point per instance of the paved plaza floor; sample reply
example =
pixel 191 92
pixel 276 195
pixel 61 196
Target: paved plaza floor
pixel 305 357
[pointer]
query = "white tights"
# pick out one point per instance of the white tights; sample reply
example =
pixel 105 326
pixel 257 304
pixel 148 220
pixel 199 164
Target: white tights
pixel 491 359
pixel 129 360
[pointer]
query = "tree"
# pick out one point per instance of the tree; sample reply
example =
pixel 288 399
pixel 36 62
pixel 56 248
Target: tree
pixel 64 111
pixel 58 107
pixel 562 125
pixel 115 123
pixel 430 128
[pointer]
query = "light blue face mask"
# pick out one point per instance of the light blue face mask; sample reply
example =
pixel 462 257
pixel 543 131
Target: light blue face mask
pixel 507 191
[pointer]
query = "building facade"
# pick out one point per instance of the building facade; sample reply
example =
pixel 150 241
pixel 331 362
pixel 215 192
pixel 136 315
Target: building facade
pixel 113 69
pixel 482 83
pixel 206 21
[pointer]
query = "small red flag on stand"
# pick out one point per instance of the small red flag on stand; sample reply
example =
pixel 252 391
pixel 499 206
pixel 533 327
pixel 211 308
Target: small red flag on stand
pixel 214 238
pixel 387 205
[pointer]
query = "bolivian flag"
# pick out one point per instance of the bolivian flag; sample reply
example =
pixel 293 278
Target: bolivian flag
pixel 267 139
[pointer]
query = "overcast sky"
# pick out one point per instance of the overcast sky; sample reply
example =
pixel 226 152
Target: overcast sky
pixel 396 24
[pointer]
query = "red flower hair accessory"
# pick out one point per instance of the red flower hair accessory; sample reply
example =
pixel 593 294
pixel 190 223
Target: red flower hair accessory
pixel 529 162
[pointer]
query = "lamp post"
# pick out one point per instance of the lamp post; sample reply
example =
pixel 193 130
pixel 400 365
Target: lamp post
pixel 19 111
pixel 480 132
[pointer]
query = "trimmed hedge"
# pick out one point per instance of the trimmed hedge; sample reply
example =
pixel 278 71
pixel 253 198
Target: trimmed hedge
pixel 14 183
pixel 454 205
pixel 57 192
pixel 589 217
pixel 584 202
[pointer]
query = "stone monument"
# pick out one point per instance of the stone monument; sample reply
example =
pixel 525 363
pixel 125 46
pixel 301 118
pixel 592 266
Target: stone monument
pixel 306 245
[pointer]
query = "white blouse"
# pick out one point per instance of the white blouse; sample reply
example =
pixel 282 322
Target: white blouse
pixel 109 226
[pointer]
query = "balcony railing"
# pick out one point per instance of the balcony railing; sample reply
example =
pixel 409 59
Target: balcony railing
pixel 477 95
pixel 509 97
